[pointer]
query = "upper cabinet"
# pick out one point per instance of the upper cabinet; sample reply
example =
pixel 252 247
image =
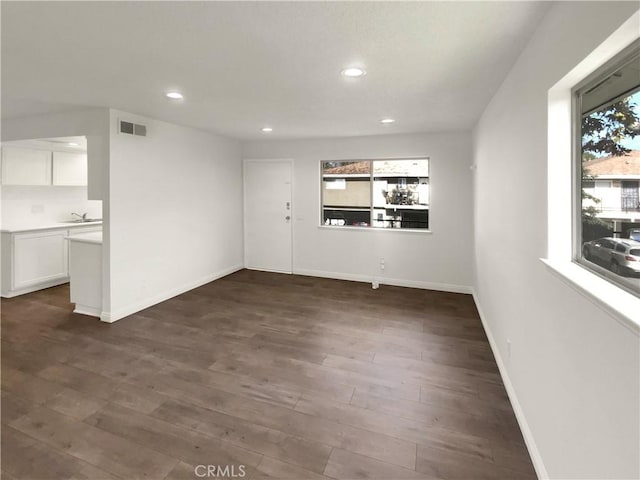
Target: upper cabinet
pixel 26 166
pixel 30 166
pixel 69 168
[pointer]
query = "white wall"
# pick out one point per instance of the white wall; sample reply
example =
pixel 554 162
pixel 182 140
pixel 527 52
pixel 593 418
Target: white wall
pixel 39 205
pixel 574 369
pixel 175 212
pixel 440 260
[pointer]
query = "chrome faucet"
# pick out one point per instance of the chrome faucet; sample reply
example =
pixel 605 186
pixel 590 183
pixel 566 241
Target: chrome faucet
pixel 82 217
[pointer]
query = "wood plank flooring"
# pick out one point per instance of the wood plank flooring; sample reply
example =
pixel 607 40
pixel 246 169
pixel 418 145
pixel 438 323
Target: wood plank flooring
pixel 287 376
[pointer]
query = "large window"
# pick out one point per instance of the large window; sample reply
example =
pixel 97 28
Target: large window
pixel 376 193
pixel 607 227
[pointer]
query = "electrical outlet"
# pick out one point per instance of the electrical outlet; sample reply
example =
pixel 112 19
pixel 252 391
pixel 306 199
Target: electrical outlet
pixel 508 349
pixel 382 264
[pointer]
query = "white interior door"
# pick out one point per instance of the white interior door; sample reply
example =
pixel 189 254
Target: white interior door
pixel 268 215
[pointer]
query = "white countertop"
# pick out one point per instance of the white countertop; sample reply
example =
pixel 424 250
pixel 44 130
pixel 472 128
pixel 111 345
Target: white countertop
pixel 34 227
pixel 92 237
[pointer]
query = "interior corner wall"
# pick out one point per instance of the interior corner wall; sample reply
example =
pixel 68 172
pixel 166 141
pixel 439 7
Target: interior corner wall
pixel 574 370
pixel 176 212
pixel 440 260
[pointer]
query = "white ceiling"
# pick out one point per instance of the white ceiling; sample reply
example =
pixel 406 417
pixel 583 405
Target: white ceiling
pixel 432 66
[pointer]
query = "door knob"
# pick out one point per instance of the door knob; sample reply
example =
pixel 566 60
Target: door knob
pixel 287 218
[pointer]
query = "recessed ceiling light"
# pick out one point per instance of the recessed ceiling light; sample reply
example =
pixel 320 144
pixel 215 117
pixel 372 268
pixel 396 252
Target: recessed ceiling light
pixel 267 129
pixel 353 72
pixel 73 144
pixel 174 95
pixel 387 120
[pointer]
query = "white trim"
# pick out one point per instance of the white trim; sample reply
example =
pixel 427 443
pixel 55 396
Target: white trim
pixel 534 453
pixel 441 287
pixel 86 310
pixel 110 317
pixel 255 269
pixel 35 288
pixel 354 277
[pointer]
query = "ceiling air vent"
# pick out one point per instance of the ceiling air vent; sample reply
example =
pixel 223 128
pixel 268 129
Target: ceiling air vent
pixel 133 128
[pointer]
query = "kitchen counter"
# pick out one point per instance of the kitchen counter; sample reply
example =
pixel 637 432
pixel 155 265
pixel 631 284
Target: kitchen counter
pixel 85 272
pixel 92 237
pixel 18 228
pixel 35 256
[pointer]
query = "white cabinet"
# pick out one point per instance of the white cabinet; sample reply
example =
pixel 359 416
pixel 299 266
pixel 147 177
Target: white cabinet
pixel 26 166
pixel 39 257
pixel 69 168
pixel 30 166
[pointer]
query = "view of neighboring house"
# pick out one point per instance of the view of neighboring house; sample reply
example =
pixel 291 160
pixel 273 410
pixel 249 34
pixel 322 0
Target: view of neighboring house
pixel 616 184
pixel 377 193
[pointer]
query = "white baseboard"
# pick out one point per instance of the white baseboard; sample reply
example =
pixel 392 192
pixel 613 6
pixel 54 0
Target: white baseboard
pixel 35 288
pixel 86 310
pixel 534 453
pixel 110 317
pixel 256 269
pixel 441 287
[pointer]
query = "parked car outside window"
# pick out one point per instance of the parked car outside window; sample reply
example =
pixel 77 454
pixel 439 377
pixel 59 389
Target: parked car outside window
pixel 621 256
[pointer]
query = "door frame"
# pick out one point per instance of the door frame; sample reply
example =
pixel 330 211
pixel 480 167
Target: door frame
pixel 245 162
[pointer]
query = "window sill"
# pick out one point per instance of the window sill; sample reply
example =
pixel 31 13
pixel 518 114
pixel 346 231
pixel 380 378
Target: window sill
pixel 374 229
pixel 622 305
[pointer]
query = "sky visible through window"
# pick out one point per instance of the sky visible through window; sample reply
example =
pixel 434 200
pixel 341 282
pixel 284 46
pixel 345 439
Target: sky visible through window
pixel 634 143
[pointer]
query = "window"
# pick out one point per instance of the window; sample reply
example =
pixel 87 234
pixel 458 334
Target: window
pixel 607 112
pixel 390 193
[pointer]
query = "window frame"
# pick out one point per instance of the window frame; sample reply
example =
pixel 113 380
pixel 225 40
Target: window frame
pixel 370 227
pixel 617 62
pixel 622 306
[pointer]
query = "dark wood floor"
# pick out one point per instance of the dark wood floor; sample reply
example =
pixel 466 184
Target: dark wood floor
pixel 285 376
